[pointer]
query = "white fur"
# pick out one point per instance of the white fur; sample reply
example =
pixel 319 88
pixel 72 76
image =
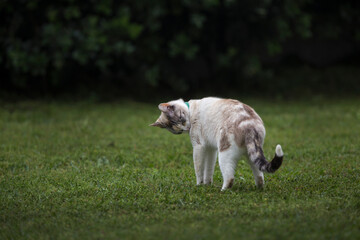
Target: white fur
pixel 207 121
pixel 205 134
pixel 279 151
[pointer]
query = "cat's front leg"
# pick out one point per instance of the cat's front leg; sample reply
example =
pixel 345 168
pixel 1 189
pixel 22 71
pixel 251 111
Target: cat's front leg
pixel 210 160
pixel 199 163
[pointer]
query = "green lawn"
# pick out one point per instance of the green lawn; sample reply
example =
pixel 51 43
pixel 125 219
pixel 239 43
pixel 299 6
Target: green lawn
pixel 97 171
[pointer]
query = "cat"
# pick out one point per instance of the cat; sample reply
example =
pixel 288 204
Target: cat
pixel 223 127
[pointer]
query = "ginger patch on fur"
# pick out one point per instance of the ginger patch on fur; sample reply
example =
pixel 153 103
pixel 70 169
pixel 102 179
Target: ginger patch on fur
pixel 224 142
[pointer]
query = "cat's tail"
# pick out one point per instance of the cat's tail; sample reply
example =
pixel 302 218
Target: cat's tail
pixel 256 155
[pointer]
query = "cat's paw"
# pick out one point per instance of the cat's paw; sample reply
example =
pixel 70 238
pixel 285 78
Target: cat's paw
pixel 228 184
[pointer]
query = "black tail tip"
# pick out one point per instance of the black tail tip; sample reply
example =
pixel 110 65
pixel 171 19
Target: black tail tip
pixel 275 164
pixel 277 160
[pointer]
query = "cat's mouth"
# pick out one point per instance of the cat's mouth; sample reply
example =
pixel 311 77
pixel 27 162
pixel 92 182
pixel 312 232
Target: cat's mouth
pixel 175 132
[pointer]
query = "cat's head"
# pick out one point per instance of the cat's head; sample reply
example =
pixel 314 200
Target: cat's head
pixel 175 117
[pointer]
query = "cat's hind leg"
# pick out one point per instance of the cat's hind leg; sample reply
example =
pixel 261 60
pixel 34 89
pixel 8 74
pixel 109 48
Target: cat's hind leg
pixel 258 175
pixel 210 160
pixel 228 160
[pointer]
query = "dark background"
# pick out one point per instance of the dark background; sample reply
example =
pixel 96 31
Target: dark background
pixel 142 49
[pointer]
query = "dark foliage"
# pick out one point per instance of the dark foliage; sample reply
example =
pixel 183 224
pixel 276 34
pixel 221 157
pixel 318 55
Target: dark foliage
pixel 179 46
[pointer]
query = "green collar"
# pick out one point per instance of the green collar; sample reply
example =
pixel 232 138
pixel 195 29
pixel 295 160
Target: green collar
pixel 187 104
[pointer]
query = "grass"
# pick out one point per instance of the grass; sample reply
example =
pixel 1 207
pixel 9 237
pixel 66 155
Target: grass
pixel 97 171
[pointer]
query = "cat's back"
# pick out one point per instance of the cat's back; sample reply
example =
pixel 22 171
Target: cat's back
pixel 213 118
pixel 225 106
pixel 221 111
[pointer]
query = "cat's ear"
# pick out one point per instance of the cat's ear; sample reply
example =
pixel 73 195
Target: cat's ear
pixel 166 107
pixel 157 124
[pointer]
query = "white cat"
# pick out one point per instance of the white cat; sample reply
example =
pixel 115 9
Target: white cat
pixel 223 127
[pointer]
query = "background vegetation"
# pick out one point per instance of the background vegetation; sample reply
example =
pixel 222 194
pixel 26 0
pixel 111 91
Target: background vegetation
pixel 90 171
pixel 142 48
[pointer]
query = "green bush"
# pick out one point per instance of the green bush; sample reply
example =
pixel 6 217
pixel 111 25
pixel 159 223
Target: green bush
pixel 150 43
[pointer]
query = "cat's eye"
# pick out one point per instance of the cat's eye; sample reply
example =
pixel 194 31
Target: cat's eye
pixel 182 117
